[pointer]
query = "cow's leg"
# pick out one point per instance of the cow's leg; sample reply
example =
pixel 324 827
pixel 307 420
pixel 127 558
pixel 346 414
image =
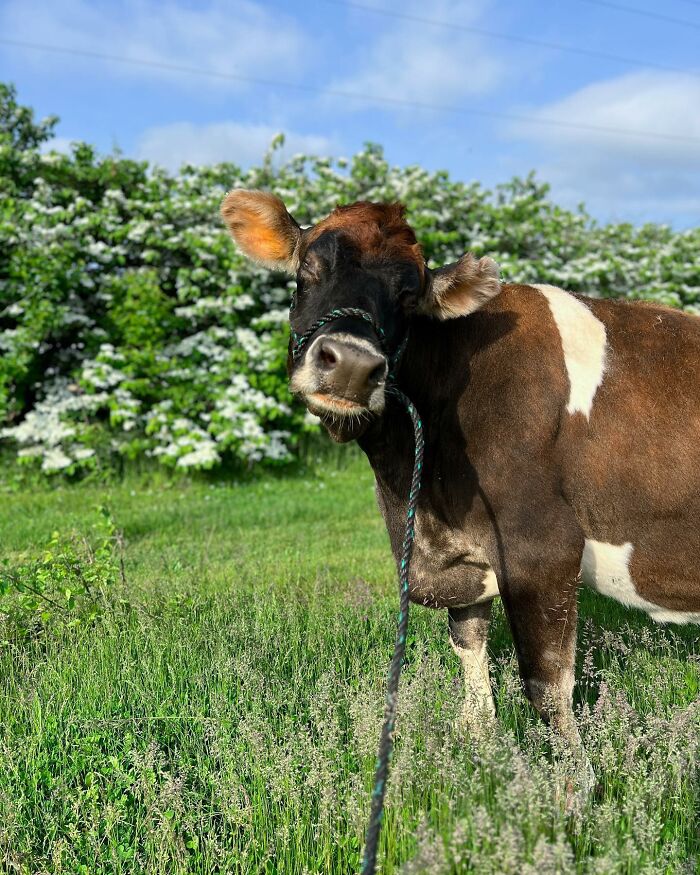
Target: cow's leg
pixel 469 627
pixel 542 616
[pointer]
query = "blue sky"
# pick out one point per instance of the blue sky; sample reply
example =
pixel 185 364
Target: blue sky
pixel 170 117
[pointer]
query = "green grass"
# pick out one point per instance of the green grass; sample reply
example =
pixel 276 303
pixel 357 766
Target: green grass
pixel 221 713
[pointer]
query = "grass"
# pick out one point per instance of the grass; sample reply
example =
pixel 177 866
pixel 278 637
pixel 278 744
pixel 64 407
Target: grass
pixel 220 713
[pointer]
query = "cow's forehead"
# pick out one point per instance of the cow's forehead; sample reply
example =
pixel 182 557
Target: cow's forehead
pixel 378 231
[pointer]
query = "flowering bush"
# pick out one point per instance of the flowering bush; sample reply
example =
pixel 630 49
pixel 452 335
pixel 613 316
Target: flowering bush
pixel 130 326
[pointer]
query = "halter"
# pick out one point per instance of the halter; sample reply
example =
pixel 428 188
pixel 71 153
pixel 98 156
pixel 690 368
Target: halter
pixel 381 770
pixel 299 341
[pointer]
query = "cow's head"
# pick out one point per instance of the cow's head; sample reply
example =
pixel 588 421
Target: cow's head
pixel 364 256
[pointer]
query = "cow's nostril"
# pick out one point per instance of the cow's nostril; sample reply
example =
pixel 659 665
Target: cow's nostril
pixel 327 357
pixel 376 374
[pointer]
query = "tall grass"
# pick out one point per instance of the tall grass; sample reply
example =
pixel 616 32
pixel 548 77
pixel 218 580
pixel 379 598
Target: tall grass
pixel 221 713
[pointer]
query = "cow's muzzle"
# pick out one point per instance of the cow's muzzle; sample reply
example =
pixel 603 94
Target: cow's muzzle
pixel 343 375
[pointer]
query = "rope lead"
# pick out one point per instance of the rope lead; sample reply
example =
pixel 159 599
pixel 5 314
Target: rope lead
pixel 386 740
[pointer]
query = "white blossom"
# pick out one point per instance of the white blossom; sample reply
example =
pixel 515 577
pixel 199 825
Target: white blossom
pixel 55 460
pixel 202 379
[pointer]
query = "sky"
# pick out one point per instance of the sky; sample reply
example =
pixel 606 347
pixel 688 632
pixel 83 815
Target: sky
pixel 447 84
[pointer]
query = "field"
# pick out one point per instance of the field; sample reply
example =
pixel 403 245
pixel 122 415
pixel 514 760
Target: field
pixel 220 712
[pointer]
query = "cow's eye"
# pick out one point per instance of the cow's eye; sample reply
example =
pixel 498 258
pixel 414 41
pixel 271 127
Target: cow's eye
pixel 312 269
pixel 299 292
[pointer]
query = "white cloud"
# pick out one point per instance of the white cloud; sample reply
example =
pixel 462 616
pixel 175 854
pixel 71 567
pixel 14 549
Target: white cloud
pixel 624 176
pixel 173 145
pixel 667 104
pixel 424 63
pixel 236 37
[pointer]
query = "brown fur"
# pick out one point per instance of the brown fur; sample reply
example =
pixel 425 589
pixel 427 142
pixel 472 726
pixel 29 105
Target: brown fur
pixel 377 231
pixel 505 458
pixel 638 468
pixel 508 471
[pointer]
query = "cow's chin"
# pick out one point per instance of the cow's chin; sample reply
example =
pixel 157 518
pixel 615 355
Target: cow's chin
pixel 343 420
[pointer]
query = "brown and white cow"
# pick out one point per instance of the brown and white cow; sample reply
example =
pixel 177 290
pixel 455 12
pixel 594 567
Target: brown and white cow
pixel 562 433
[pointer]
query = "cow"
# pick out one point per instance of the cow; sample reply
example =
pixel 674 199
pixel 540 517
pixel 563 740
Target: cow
pixel 562 433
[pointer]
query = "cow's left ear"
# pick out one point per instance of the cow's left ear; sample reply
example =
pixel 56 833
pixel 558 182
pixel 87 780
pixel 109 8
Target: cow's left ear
pixel 461 288
pixel 262 228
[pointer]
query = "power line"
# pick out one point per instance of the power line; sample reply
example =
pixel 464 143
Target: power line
pixel 524 40
pixel 634 10
pixel 350 95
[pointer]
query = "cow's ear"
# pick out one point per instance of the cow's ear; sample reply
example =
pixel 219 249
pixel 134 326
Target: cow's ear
pixel 461 288
pixel 262 228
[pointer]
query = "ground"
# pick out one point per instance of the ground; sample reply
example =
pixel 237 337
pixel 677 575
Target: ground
pixel 221 711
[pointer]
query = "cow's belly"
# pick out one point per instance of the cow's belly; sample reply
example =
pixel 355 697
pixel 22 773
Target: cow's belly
pixel 642 575
pixel 449 569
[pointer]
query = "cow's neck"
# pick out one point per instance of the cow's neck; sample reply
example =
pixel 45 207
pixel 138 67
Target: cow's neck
pixel 434 374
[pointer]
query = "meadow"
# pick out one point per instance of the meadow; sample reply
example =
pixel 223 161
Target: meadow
pixel 214 706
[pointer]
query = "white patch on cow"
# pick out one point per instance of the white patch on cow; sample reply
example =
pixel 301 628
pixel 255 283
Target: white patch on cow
pixel 606 568
pixel 490 585
pixel 477 684
pixel 305 379
pixel 583 340
pixel 491 591
pixel 354 340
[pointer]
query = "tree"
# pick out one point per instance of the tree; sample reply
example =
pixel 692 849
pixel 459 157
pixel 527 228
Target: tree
pixel 21 136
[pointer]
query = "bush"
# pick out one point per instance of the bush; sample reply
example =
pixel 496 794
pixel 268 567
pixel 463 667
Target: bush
pixel 67 584
pixel 130 326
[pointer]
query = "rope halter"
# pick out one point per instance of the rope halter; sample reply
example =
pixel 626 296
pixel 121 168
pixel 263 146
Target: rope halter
pixel 299 341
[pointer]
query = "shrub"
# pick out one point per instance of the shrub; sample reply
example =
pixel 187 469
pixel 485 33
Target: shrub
pixel 131 327
pixel 67 583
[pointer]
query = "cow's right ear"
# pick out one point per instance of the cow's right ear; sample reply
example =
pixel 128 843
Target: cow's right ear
pixel 262 228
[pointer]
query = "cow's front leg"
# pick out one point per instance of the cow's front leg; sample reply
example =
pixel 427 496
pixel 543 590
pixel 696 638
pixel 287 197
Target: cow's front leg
pixel 543 622
pixel 469 628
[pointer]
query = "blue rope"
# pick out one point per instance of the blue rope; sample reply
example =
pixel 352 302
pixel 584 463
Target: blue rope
pixel 386 738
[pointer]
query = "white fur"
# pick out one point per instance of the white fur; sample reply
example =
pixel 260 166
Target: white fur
pixel 477 684
pixel 490 585
pixel 491 591
pixel 606 568
pixel 584 343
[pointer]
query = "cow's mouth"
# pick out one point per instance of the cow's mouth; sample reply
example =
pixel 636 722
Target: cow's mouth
pixel 344 419
pixel 321 403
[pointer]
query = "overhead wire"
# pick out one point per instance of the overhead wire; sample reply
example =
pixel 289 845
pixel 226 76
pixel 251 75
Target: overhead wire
pixel 645 13
pixel 523 40
pixel 350 95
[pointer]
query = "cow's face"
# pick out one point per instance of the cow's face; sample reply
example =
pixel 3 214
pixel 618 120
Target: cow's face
pixel 363 256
